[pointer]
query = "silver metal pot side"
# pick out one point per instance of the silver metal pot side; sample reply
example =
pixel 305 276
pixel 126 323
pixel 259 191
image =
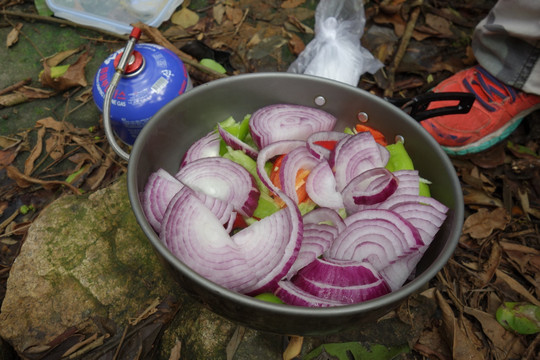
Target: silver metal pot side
pixel 167 136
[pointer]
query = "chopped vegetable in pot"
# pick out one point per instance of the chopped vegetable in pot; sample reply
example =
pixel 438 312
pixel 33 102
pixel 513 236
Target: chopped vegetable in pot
pixel 282 207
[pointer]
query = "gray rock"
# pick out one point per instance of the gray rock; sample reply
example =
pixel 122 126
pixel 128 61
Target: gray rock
pixel 84 256
pixel 86 265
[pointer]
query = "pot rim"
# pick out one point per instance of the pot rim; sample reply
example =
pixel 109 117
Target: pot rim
pixel 254 304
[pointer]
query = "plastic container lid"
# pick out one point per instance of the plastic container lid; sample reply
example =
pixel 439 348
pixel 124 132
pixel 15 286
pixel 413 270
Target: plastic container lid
pixel 114 15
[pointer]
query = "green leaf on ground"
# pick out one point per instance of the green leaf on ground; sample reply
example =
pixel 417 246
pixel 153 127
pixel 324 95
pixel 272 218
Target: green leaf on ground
pixel 522 318
pixel 42 8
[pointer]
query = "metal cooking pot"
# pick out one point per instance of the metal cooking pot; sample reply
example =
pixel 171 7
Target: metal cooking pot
pixel 167 136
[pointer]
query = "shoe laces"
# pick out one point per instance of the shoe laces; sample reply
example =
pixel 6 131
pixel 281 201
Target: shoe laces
pixel 490 87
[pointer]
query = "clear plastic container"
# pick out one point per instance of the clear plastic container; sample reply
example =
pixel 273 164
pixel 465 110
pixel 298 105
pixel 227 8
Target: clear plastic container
pixel 114 15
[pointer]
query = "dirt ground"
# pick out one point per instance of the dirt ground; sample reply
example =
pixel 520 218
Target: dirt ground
pixel 52 140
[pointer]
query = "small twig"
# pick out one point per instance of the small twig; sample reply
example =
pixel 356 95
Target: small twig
pixel 52 19
pixel 402 47
pixel 120 343
pixel 65 156
pixel 241 22
pixel 6 222
pixel 23 227
pixel 15 86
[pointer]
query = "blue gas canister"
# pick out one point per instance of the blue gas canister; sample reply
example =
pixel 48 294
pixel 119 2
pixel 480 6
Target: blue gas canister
pixel 153 76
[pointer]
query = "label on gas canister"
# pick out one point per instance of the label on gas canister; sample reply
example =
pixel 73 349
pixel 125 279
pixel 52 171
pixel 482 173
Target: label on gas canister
pixel 139 95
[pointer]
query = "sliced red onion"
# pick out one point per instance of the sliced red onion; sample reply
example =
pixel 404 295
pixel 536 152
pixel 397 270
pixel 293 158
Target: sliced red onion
pixel 346 282
pixel 229 224
pixel 344 295
pixel 207 248
pixel 397 273
pixel 373 186
pixel 321 187
pixel 158 192
pixel 223 210
pixel 325 216
pixel 317 238
pixel 288 122
pixel 320 152
pixel 375 241
pixel 354 155
pixel 340 272
pixel 271 246
pixel 385 154
pixel 207 146
pixel 223 179
pixel 411 234
pixel 251 261
pixel 295 160
pixel 398 199
pixel 292 295
pixel 408 182
pixel 236 143
pixel 270 151
pixel 426 218
pixel 379 237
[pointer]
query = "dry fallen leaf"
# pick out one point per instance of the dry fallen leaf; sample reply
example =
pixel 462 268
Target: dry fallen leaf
pixel 234 14
pixel 489 267
pixel 35 93
pixel 35 153
pixel 505 345
pixel 289 4
pixel 464 344
pixel 293 348
pixel 176 350
pixel 74 75
pixel 441 26
pixel 90 148
pixel 482 223
pixel 218 11
pixel 525 204
pixel 54 146
pixel 512 288
pixel 185 18
pixel 479 197
pixel 296 45
pixel 526 260
pixel 59 57
pixel 25 181
pixel 13 35
pixel 12 99
pixel 293 20
pixel 8 155
pixel 235 341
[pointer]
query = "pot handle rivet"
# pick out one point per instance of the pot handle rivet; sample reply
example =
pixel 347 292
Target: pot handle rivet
pixel 320 100
pixel 362 117
pixel 399 139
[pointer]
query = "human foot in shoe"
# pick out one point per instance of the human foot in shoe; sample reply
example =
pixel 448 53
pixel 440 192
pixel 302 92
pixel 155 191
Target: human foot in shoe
pixel 495 114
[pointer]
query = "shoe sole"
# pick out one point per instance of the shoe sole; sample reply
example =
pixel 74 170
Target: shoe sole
pixel 491 139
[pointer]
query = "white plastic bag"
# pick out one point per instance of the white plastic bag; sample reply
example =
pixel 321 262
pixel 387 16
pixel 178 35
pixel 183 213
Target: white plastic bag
pixel 336 52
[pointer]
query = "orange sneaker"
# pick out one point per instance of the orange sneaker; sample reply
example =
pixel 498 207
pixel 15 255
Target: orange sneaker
pixel 495 114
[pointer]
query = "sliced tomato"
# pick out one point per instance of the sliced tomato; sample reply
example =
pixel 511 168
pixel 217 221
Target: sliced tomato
pixel 239 222
pixel 328 144
pixel 377 135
